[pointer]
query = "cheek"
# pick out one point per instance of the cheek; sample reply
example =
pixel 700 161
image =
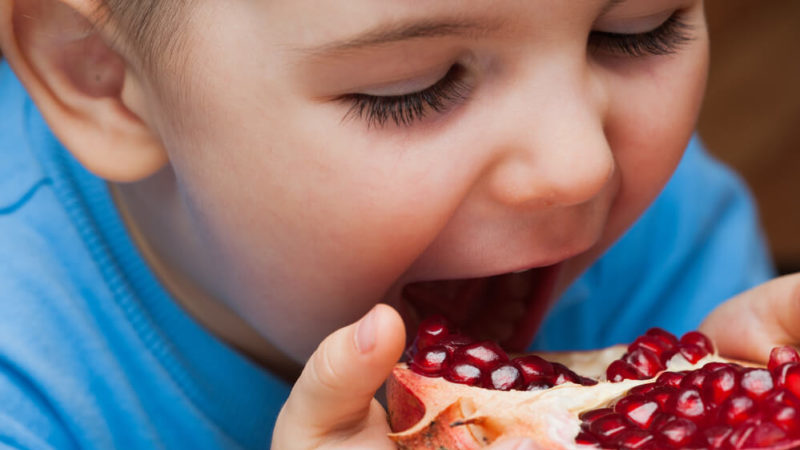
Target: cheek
pixel 652 116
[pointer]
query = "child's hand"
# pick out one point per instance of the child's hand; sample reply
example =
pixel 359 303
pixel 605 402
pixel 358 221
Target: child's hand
pixel 749 325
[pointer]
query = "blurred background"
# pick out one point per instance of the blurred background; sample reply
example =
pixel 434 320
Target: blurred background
pixel 751 117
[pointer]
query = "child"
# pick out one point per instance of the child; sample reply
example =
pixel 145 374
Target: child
pixel 195 194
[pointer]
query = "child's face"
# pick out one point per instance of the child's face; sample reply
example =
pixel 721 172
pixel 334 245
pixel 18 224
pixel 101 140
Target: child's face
pixel 548 139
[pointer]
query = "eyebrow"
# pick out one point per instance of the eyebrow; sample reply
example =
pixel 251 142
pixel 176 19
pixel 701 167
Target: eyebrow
pixel 385 34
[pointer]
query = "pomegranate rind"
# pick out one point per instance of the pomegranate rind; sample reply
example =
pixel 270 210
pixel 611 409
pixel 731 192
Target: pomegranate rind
pixel 431 412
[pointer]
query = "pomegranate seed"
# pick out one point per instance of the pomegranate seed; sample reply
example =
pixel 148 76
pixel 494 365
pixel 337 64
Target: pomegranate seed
pixel 715 365
pixel 463 373
pixel 756 383
pixel 620 370
pixel 782 355
pixel 590 416
pixel 634 439
pixel 653 344
pixel 678 432
pixel 638 410
pixel 454 342
pixel 692 353
pixel 606 427
pixel 695 379
pixel 699 339
pixel 720 384
pixel 785 416
pixel 736 409
pixel 584 438
pixel 532 368
pixel 717 435
pixel 504 378
pixel 642 389
pixel 765 434
pixel 788 376
pixel 563 374
pixel 661 394
pixel 432 330
pixel 669 339
pixel 538 385
pixel 646 363
pixel 740 435
pixel 430 361
pixel 687 403
pixel 483 355
pixel 670 379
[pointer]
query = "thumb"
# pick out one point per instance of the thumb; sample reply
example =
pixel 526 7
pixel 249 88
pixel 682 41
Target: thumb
pixel 749 325
pixel 336 388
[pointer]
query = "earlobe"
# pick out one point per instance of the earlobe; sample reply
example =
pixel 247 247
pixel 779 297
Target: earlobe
pixel 82 86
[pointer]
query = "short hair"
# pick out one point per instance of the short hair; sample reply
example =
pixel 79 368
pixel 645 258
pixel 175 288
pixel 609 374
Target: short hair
pixel 150 27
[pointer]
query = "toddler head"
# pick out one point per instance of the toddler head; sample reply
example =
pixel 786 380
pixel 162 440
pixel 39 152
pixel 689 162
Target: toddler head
pixel 298 161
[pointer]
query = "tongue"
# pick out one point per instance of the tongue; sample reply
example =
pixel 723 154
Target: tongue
pixel 504 308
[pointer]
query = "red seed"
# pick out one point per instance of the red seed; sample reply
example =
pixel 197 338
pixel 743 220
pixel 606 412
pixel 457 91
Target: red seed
pixel 661 395
pixel 620 370
pixel 782 409
pixel 736 409
pixel 717 435
pixel 670 379
pixel 633 438
pixel 454 342
pixel 782 355
pixel 765 434
pixel 669 339
pixel 638 410
pixel 692 353
pixel 642 389
pixel 538 384
pixel 606 427
pixel 699 339
pixel 430 361
pixel 533 367
pixel 756 383
pixel 720 384
pixel 740 435
pixel 484 355
pixel 695 379
pixel 584 438
pixel 646 363
pixel 432 330
pixel 504 378
pixel 678 432
pixel 463 373
pixel 788 376
pixel 590 416
pixel 687 403
pixel 563 375
pixel 655 345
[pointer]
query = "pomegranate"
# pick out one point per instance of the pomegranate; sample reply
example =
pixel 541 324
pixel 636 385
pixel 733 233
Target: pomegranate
pixel 660 392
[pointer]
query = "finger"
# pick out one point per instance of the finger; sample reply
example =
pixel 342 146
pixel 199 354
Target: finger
pixel 339 381
pixel 749 325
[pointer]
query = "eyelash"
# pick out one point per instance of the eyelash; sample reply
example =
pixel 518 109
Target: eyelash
pixel 667 39
pixel 406 109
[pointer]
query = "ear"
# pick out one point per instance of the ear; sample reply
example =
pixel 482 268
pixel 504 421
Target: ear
pixel 77 81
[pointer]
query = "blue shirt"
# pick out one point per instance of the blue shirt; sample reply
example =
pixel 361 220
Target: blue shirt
pixel 94 353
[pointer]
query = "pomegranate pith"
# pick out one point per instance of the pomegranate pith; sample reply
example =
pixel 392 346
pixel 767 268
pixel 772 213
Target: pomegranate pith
pixel 660 392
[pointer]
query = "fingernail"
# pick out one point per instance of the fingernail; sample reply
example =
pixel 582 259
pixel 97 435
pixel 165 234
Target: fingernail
pixel 366 332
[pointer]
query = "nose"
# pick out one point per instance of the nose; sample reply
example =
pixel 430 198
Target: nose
pixel 550 147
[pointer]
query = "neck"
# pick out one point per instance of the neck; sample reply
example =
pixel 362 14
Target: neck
pixel 162 232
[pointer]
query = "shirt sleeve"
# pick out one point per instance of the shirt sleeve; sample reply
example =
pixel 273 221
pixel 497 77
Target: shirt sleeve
pixel 698 244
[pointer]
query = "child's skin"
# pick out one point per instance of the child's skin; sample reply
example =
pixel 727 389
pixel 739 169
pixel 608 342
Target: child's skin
pixel 275 217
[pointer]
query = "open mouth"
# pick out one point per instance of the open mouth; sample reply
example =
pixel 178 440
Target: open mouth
pixel 505 308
